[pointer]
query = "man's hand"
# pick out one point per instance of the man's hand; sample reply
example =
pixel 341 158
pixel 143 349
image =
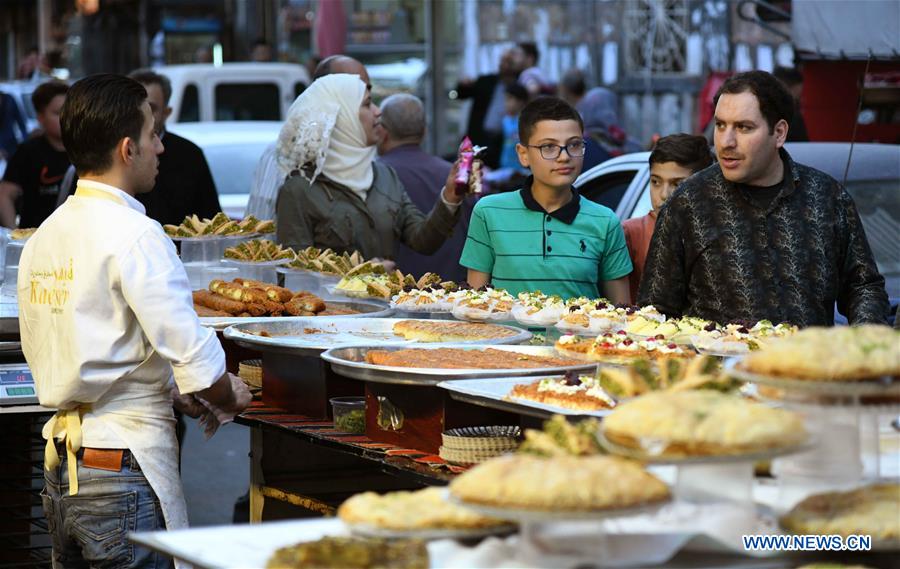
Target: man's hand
pixel 449 190
pixel 187 404
pixel 242 396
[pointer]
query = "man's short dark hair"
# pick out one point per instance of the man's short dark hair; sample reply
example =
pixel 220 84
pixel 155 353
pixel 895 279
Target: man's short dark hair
pixel 100 110
pixel 573 82
pixel 531 50
pixel 146 76
pixel 545 109
pixel 517 91
pixel 687 150
pixel 45 93
pixel 775 101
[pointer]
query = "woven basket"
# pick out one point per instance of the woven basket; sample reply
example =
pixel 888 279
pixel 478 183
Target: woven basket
pixel 491 439
pixel 251 372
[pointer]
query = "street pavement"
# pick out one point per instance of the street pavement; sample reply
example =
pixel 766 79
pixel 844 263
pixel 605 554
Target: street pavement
pixel 215 473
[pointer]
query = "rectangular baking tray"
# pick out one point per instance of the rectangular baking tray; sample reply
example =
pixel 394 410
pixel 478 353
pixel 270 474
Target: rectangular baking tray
pixel 365 309
pixel 351 362
pixel 294 336
pixel 492 393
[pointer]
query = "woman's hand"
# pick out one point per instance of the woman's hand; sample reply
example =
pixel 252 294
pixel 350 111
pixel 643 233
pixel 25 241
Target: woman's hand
pixel 449 191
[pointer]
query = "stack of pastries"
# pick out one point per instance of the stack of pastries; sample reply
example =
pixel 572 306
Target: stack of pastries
pixel 245 297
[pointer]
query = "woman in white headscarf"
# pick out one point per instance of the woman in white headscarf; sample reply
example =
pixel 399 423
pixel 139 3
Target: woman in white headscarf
pixel 336 194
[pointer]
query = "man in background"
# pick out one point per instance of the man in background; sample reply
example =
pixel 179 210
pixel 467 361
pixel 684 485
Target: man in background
pixel 402 130
pixel 261 51
pixel 34 175
pixel 488 94
pixel 532 78
pixel 572 87
pixel 793 80
pixel 184 185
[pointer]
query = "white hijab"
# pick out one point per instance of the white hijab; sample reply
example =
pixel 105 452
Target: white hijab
pixel 323 134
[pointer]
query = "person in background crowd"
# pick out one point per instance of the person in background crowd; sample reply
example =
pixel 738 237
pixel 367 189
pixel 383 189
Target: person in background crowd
pixel 605 137
pixel 760 236
pixel 793 80
pixel 268 177
pixel 532 78
pixel 36 170
pixel 29 63
pixel 336 194
pixel 13 129
pixel 487 94
pixel 312 63
pixel 261 51
pixel 674 159
pixel 203 54
pixel 516 99
pixel 572 87
pixel 422 175
pixel 113 352
pixel 184 185
pixel 545 236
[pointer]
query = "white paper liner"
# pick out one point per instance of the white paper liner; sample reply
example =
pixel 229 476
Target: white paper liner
pixel 547 316
pixel 478 315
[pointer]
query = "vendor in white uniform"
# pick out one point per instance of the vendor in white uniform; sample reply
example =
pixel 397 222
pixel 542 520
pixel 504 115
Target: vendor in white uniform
pixel 107 324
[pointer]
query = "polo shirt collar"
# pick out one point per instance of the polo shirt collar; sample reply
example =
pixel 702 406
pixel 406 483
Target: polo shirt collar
pixel 566 213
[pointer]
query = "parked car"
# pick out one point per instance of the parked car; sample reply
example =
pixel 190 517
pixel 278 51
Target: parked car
pixel 203 92
pixel 232 150
pixel 623 185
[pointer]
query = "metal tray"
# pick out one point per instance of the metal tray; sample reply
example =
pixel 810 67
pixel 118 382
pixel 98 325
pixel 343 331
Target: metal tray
pixel 884 386
pixel 659 459
pixel 365 309
pixel 364 530
pixel 289 336
pixel 493 393
pixel 351 362
pixel 524 516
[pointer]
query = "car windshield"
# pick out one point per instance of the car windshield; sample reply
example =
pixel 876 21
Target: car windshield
pixel 878 203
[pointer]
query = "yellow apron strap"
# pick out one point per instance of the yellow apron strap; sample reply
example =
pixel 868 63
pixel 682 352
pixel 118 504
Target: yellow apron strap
pixel 68 422
pixel 83 192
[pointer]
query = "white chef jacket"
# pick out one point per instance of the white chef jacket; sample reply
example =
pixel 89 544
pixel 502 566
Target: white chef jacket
pixel 106 320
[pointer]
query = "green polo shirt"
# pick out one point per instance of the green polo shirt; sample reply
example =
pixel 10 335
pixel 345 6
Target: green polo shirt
pixel 568 252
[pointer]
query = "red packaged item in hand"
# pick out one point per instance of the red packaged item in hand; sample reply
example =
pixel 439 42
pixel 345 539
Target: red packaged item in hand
pixel 468 175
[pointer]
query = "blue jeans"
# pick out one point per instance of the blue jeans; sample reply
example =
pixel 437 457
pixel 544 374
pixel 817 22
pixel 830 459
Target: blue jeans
pixel 90 529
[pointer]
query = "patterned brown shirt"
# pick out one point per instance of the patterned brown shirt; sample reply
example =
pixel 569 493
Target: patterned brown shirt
pixel 718 256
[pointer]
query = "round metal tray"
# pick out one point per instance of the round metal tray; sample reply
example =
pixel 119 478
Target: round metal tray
pixel 312 336
pixel 638 455
pixel 885 386
pixel 365 309
pixel 351 362
pixel 522 515
pixel 363 530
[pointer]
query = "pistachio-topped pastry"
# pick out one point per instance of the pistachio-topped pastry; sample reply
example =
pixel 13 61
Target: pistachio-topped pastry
pixel 841 353
pixel 219 225
pixel 701 423
pixel 259 251
pixel 560 483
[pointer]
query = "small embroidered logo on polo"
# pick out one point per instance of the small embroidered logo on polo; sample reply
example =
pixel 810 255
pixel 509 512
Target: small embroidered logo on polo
pixel 583 246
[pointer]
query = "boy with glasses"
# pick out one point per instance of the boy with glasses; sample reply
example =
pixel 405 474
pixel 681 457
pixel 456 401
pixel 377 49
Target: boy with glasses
pixel 545 236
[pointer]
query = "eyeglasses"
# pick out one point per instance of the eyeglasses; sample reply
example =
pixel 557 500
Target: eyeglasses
pixel 574 149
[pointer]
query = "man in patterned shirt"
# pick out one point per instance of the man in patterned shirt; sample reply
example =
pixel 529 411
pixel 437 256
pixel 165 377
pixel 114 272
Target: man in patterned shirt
pixel 759 236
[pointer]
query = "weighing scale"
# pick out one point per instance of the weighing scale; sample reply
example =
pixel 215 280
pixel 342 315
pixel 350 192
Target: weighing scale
pixel 16 385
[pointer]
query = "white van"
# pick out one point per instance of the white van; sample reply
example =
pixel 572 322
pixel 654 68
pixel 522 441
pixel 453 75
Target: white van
pixel 203 92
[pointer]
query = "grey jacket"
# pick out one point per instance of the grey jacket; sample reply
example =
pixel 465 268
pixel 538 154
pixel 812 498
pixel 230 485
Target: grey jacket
pixel 326 214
